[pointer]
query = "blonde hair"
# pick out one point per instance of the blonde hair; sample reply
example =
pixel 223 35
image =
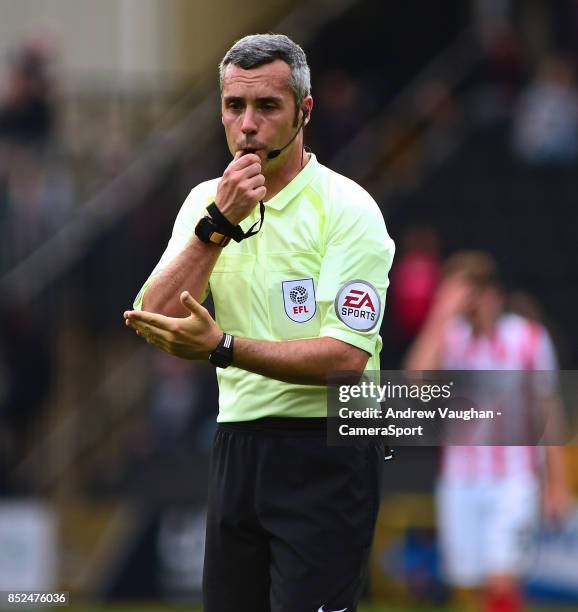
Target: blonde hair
pixel 478 267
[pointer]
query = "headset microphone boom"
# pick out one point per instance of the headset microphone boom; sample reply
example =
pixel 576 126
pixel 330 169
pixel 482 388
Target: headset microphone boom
pixel 276 152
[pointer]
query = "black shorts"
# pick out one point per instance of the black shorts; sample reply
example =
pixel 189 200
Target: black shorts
pixel 290 519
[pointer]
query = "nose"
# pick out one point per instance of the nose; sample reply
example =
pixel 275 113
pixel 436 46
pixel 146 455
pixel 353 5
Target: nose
pixel 249 125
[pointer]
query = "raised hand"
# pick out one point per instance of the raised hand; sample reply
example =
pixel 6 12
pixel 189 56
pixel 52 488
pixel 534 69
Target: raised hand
pixel 241 187
pixel 452 298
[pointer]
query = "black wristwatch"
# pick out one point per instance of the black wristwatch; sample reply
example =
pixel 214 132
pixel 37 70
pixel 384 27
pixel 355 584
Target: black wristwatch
pixel 206 231
pixel 222 356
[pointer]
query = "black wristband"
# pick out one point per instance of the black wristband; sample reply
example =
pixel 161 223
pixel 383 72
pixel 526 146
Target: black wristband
pixel 222 356
pixel 224 226
pixel 206 231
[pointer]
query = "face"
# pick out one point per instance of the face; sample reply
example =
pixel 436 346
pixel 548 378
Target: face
pixel 258 108
pixel 485 305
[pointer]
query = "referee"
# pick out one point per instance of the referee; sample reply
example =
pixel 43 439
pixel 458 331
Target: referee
pixel 296 258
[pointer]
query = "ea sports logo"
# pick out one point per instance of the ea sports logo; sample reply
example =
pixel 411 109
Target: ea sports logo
pixel 356 299
pixel 298 295
pixel 358 305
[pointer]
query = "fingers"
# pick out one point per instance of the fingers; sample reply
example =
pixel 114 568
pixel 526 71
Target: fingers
pixel 153 335
pixel 256 189
pixel 189 302
pixel 258 194
pixel 252 170
pixel 255 181
pixel 150 318
pixel 243 161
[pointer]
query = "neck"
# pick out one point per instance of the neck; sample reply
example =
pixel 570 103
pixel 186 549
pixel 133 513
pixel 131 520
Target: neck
pixel 484 327
pixel 282 170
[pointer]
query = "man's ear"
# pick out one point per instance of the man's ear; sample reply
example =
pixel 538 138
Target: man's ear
pixel 307 110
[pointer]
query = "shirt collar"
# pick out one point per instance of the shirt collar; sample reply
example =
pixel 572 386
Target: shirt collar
pixel 297 184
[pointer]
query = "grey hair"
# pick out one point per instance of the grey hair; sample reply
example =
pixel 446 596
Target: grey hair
pixel 257 49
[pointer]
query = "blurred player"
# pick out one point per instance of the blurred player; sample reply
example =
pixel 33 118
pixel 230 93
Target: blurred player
pixel 488 496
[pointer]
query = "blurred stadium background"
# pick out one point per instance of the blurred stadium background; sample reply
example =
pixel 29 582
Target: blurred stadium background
pixel 459 116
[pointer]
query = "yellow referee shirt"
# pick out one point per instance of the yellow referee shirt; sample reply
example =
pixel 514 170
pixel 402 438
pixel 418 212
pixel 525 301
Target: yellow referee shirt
pixel 318 267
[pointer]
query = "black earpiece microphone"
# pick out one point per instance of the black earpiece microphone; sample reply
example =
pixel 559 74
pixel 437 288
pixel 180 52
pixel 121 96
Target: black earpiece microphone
pixel 276 152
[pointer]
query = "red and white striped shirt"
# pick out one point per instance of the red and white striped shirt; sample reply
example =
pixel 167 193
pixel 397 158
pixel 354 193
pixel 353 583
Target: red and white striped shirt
pixel 516 344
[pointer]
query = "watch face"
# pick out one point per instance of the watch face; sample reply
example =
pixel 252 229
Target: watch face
pixel 206 232
pixel 222 356
pixel 220 360
pixel 219 239
pixel 204 229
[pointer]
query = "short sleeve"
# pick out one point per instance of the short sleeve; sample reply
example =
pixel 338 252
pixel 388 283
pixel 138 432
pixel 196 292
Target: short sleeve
pixel 354 273
pixel 184 228
pixel 545 353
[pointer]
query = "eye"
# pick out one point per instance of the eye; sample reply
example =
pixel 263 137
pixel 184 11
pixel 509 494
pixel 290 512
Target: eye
pixel 269 106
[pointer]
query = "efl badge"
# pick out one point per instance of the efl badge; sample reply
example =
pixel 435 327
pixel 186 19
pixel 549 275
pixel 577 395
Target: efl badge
pixel 358 305
pixel 299 299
